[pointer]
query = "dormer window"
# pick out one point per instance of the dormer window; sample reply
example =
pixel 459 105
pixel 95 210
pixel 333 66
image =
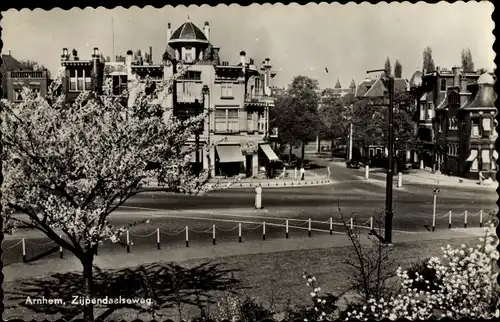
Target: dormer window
pixel 443 85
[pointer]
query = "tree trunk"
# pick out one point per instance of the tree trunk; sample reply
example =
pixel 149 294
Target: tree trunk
pixel 290 153
pixel 88 277
pixel 331 147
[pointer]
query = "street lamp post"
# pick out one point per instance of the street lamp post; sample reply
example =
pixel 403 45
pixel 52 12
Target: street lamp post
pixel 390 148
pixel 435 192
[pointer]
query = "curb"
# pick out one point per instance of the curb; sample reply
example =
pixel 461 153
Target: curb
pixel 281 184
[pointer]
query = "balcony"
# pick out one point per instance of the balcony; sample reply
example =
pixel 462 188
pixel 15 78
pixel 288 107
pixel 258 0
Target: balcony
pixel 189 97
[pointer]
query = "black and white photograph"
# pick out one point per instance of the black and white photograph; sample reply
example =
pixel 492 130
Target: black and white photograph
pixel 268 162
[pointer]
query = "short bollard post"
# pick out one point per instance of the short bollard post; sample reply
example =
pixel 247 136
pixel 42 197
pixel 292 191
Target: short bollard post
pixel 309 227
pixel 158 238
pixel 400 180
pixel 449 220
pixel 465 219
pixel 352 225
pixel 367 172
pixel 258 197
pixel 286 228
pixel 239 232
pixel 213 234
pixel 187 236
pixel 331 226
pixel 264 230
pixel 128 241
pixel 480 218
pixel 371 223
pixel 435 191
pixel 295 174
pixel 24 251
pixel 61 251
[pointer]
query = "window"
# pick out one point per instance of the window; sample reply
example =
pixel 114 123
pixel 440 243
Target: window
pixel 454 99
pixel 486 125
pixel 423 111
pixel 475 127
pixel 430 111
pixel 232 120
pixel 79 80
pixel 227 90
pixel 220 120
pixel 119 84
pixel 453 124
pixel 186 88
pixel 443 85
pixel 485 160
pixel 18 95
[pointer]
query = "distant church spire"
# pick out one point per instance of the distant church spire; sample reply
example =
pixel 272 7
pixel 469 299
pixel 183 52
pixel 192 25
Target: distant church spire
pixel 352 87
pixel 337 85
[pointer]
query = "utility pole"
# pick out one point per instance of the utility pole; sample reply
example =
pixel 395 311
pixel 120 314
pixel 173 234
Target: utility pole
pixel 390 148
pixel 350 143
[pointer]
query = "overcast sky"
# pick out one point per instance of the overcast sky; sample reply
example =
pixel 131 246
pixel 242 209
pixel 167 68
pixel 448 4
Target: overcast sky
pixel 299 40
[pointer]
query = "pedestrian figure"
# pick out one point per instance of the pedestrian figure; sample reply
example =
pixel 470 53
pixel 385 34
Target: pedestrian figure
pixel 302 173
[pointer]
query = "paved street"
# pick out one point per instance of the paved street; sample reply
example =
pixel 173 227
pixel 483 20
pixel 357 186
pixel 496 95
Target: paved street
pixel 226 209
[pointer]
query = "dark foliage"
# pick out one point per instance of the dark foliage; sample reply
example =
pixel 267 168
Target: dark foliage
pixel 428 274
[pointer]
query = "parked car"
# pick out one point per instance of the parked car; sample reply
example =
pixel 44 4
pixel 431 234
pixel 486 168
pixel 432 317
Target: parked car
pixel 353 164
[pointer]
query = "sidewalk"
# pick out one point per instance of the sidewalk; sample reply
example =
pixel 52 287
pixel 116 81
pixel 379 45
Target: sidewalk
pixel 179 254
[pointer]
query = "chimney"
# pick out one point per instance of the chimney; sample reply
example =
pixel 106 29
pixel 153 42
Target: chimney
pixel 169 32
pixel 243 58
pixel 267 76
pixel 251 61
pixel 456 76
pixel 10 53
pixel 95 53
pixel 75 54
pixel 206 30
pixel 438 69
pixel 128 63
pixel 151 55
pixel 65 54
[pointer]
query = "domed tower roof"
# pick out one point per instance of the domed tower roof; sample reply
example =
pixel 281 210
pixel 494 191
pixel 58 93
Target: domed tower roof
pixel 416 79
pixel 188 32
pixel 485 79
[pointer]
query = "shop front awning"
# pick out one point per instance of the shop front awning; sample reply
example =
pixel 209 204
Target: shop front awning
pixel 185 149
pixel 229 153
pixel 495 155
pixel 269 152
pixel 472 156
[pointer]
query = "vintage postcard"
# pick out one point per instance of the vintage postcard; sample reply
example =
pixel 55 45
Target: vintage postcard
pixel 272 162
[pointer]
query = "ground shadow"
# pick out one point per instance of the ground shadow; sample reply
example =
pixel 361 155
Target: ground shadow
pixel 167 285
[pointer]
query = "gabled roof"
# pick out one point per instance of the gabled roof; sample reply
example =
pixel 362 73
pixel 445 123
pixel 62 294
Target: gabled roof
pixel 378 88
pixel 10 63
pixel 364 86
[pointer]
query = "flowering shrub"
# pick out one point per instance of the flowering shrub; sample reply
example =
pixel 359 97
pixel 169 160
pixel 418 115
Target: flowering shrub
pixel 466 287
pixel 324 307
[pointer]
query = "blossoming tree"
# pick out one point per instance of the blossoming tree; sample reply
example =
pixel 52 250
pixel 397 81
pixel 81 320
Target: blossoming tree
pixel 67 167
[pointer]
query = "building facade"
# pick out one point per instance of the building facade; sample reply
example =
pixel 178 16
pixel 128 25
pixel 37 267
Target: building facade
pixel 464 128
pixel 237 96
pixel 81 75
pixel 451 108
pixel 36 81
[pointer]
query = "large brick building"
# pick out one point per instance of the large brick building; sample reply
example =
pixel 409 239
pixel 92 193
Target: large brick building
pixel 451 108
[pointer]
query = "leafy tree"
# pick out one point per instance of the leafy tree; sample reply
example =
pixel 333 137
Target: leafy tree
pixel 428 60
pixel 296 112
pixel 371 118
pixel 388 68
pixel 467 63
pixel 334 116
pixel 32 65
pixel 398 70
pixel 67 167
